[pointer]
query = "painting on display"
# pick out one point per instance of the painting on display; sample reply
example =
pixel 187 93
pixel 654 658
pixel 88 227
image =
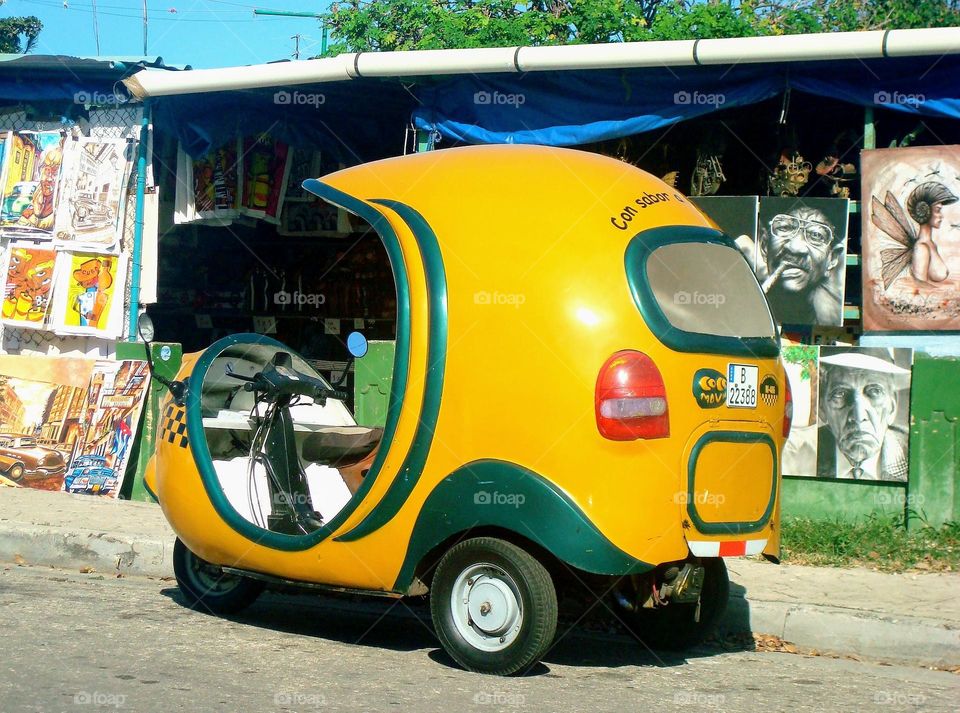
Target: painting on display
pixel 801 258
pixel 29 285
pixel 801 363
pixel 736 216
pixel 42 403
pixel 266 168
pixel 216 183
pixel 31 174
pixel 851 412
pixel 911 238
pixel 90 209
pixel 89 294
pixel 304 164
pixel 111 413
pixel 311 217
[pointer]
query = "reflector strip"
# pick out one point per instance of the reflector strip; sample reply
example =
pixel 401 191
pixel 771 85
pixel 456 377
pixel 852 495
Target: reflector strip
pixel 731 548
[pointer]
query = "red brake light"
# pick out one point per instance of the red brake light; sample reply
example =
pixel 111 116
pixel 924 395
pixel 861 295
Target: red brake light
pixel 787 407
pixel 630 400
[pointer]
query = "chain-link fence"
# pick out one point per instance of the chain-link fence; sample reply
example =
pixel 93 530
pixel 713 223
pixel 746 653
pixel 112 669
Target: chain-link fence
pixel 117 122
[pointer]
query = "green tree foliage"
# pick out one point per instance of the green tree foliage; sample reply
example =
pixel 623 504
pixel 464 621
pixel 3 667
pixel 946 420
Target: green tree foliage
pixel 384 25
pixel 18 35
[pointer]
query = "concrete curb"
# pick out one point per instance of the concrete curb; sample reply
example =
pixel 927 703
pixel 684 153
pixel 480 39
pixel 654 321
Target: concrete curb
pixel 75 549
pixel 909 640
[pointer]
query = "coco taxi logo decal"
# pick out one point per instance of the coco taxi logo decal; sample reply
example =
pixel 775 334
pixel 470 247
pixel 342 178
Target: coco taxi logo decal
pixel 769 390
pixel 709 388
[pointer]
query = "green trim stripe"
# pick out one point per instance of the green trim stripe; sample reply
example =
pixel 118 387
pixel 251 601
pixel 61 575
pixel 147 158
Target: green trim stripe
pixel 412 467
pixel 729 528
pixel 638 251
pixel 494 493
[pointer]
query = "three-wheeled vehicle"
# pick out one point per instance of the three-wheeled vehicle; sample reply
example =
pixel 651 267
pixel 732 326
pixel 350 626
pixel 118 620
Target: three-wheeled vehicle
pixel 587 388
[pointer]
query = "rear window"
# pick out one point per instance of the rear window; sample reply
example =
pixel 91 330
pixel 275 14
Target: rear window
pixel 708 288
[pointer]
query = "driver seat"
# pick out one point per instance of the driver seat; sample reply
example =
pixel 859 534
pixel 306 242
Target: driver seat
pixel 341 446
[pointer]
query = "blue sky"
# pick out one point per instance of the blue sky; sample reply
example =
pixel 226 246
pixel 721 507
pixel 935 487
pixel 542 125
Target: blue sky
pixel 202 33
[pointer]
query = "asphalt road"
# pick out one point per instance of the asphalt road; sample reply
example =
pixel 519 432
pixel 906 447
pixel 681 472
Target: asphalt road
pixel 84 642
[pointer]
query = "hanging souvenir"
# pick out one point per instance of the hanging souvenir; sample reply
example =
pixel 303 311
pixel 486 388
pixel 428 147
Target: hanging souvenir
pixel 790 175
pixel 266 167
pixel 707 175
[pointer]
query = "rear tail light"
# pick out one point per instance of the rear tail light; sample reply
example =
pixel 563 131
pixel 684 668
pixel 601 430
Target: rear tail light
pixel 630 399
pixel 787 407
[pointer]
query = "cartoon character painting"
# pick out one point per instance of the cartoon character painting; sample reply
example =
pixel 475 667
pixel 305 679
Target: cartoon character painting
pixel 30 186
pixel 39 213
pixel 94 278
pixel 89 294
pixel 30 279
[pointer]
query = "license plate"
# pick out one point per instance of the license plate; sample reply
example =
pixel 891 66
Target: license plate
pixel 742 385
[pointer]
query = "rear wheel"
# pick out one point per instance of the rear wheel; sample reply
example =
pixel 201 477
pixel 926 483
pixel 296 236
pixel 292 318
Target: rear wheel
pixel 675 627
pixel 207 587
pixel 494 606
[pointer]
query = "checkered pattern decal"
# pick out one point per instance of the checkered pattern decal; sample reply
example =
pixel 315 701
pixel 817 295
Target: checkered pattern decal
pixel 174 428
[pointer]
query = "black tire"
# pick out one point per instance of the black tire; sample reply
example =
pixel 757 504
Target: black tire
pixel 15 473
pixel 498 564
pixel 673 627
pixel 206 587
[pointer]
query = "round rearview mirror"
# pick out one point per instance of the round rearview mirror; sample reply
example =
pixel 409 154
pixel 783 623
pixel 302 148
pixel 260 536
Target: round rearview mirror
pixel 356 344
pixel 145 327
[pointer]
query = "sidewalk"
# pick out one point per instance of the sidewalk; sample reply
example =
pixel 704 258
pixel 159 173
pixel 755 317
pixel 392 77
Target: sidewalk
pixel 903 618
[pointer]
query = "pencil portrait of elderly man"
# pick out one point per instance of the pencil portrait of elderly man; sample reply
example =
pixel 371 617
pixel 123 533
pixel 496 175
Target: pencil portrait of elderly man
pixel 863 402
pixel 801 259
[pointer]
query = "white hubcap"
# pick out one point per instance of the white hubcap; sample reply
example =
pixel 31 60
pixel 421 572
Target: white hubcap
pixel 486 607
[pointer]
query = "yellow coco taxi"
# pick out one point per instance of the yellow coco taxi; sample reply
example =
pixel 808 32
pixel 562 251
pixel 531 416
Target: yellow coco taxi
pixel 587 389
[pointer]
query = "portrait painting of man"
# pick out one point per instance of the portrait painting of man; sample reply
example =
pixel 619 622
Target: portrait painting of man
pixel 801 258
pixel 863 407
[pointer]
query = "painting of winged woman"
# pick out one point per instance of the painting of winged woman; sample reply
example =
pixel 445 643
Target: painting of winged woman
pixel 911 238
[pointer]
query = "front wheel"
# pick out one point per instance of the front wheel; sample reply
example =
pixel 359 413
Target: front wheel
pixel 15 473
pixel 494 606
pixel 207 587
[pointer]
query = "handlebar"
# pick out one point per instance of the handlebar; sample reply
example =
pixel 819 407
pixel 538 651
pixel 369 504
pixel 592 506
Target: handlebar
pixel 279 379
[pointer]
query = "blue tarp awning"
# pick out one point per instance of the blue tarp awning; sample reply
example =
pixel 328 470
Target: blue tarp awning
pixel 577 107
